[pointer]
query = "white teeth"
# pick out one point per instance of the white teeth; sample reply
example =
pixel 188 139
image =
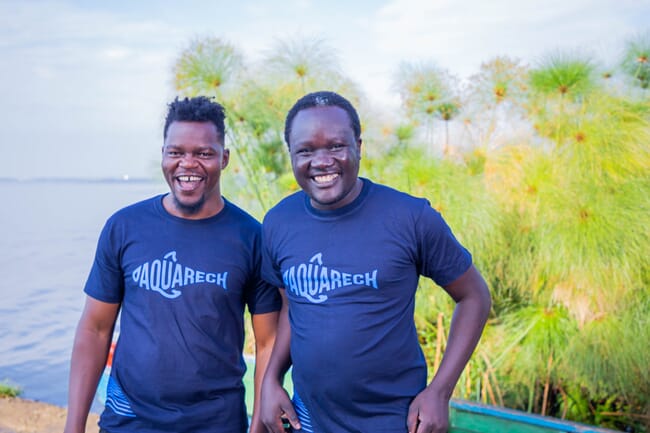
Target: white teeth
pixel 189 178
pixel 325 178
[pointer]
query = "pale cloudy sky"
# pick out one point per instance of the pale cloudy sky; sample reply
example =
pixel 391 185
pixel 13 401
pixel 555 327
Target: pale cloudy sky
pixel 85 83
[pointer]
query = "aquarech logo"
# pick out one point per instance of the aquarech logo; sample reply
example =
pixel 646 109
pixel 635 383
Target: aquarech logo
pixel 167 276
pixel 314 280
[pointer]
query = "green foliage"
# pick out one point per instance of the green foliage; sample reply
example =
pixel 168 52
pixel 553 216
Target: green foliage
pixel 307 60
pixel 404 133
pixel 564 74
pixel 550 191
pixel 447 110
pixel 7 390
pixel 500 80
pixel 610 347
pixel 636 60
pixel 427 93
pixel 294 67
pixel 494 102
pixel 560 88
pixel 208 66
pixel 421 87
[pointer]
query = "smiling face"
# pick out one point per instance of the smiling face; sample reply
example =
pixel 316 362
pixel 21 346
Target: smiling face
pixel 325 156
pixel 193 156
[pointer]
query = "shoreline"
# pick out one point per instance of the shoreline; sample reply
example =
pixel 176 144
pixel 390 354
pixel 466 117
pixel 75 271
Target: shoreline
pixel 19 415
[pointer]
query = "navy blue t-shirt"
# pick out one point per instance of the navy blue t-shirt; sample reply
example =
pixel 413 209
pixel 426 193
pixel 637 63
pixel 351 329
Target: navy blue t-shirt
pixel 350 276
pixel 183 285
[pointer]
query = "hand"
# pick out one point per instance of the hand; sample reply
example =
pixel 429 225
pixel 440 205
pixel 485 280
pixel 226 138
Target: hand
pixel 428 413
pixel 275 405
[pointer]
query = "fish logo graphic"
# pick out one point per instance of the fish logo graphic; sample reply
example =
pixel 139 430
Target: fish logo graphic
pixel 167 276
pixel 313 280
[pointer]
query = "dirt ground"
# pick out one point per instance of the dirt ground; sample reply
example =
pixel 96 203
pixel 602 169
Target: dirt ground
pixel 26 416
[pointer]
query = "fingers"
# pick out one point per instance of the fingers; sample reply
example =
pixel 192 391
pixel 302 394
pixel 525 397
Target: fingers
pixel 290 415
pixel 412 420
pixel 421 425
pixel 286 416
pixel 283 422
pixel 275 427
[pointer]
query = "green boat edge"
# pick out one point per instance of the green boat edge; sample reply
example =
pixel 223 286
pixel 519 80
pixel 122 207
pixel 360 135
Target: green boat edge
pixel 471 417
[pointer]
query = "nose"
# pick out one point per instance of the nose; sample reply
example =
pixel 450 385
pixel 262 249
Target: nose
pixel 322 158
pixel 187 160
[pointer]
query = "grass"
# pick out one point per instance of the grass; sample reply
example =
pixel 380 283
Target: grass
pixel 9 390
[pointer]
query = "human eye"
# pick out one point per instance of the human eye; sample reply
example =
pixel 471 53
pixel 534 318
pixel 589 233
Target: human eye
pixel 337 146
pixel 205 155
pixel 302 151
pixel 173 153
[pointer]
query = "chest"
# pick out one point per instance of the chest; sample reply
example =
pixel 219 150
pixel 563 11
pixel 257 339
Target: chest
pixel 171 264
pixel 326 262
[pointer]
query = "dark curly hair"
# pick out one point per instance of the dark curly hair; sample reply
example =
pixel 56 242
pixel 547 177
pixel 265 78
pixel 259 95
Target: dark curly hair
pixel 322 99
pixel 196 109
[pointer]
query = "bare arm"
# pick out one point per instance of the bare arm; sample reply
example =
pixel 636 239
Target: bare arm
pixel 265 329
pixel 276 403
pixel 90 350
pixel 429 411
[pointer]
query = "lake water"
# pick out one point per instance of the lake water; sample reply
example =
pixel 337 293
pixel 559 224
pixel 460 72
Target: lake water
pixel 49 233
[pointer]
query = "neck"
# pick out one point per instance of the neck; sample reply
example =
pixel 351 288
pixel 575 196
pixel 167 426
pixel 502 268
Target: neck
pixel 201 210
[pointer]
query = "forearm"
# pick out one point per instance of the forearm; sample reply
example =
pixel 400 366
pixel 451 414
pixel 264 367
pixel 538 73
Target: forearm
pixel 469 318
pixel 265 329
pixel 89 355
pixel 276 404
pixel 280 359
pixel 89 352
pixel 464 335
pixel 262 356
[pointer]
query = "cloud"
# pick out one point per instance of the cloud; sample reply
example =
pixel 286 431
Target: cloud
pixel 93 83
pixel 460 36
pixel 97 75
pixel 116 53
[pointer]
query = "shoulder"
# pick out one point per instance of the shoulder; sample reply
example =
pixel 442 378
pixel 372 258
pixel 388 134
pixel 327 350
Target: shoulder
pixel 234 224
pixel 136 211
pixel 241 216
pixel 139 207
pixel 131 219
pixel 285 208
pixel 400 209
pixel 393 200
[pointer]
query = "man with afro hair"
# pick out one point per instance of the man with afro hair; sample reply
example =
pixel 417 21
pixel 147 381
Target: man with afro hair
pixel 179 268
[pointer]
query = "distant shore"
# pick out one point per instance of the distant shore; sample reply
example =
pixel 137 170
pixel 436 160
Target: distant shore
pixel 124 179
pixel 18 415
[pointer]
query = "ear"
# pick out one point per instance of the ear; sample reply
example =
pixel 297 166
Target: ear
pixel 359 143
pixel 225 158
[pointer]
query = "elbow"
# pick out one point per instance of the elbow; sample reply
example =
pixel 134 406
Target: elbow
pixel 481 300
pixel 487 297
pixel 485 300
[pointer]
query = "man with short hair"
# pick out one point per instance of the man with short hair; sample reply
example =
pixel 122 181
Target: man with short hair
pixel 179 268
pixel 348 254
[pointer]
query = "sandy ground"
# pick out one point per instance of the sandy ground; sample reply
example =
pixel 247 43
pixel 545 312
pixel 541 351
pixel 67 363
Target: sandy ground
pixel 26 416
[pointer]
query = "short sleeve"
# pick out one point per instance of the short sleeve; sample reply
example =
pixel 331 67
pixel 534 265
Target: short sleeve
pixel 442 257
pixel 263 296
pixel 106 280
pixel 270 267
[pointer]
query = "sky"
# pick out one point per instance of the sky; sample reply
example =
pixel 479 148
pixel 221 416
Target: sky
pixel 85 83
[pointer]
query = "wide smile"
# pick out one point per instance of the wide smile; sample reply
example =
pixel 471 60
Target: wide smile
pixel 188 182
pixel 189 178
pixel 325 179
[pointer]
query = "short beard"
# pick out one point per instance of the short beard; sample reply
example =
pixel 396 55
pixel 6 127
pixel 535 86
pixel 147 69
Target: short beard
pixel 189 209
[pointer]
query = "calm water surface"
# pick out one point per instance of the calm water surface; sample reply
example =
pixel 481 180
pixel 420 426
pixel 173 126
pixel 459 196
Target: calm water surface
pixel 49 233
